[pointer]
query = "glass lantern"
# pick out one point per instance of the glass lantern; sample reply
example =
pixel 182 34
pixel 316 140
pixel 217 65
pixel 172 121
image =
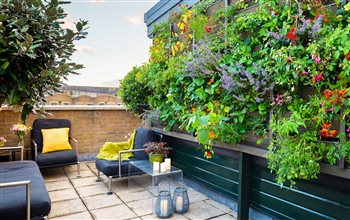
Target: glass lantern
pixel 164 206
pixel 180 200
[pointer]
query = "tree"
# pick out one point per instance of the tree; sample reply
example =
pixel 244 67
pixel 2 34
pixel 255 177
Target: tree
pixel 35 50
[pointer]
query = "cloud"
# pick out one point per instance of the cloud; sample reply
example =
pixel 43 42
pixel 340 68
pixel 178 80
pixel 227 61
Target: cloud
pixel 68 22
pixel 84 49
pixel 97 1
pixel 135 20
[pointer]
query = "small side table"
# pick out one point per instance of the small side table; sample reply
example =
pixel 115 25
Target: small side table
pixel 13 149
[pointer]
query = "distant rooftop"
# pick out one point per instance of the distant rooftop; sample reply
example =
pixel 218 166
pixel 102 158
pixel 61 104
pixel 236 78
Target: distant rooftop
pixel 90 89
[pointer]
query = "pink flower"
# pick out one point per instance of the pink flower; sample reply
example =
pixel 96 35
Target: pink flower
pixel 326 110
pixel 317 60
pixel 318 77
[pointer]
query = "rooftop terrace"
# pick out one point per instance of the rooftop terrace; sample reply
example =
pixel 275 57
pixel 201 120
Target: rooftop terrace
pixel 84 198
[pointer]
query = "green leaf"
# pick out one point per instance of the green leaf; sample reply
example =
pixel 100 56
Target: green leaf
pixel 200 93
pixel 203 136
pixel 204 120
pixel 198 81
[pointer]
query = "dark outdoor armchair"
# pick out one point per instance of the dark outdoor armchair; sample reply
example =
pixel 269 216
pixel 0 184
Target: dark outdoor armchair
pixel 117 168
pixel 57 158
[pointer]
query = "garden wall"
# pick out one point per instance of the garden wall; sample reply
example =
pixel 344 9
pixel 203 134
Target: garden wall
pixel 324 198
pixel 91 125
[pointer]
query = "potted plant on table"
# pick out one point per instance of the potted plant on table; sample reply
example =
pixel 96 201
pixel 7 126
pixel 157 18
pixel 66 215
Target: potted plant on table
pixel 156 151
pixel 20 130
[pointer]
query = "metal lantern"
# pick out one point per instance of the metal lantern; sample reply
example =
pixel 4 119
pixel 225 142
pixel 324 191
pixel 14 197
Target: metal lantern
pixel 164 206
pixel 180 200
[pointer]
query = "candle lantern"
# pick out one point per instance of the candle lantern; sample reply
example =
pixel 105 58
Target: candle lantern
pixel 180 200
pixel 164 206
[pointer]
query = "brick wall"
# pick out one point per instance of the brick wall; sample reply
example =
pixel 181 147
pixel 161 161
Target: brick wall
pixel 91 125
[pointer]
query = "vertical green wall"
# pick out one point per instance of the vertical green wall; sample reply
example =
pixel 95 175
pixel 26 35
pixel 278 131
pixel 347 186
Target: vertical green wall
pixel 325 198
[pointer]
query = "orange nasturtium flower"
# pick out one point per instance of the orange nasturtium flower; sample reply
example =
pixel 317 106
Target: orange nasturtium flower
pixel 194 109
pixel 216 103
pixel 211 134
pixel 327 94
pixel 210 81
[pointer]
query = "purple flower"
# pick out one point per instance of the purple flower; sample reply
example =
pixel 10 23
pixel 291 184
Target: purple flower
pixel 277 36
pixel 304 27
pixel 300 9
pixel 316 28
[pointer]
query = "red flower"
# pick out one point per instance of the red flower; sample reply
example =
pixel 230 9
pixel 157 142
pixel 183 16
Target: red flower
pixel 292 35
pixel 207 29
pixel 347 56
pixel 179 4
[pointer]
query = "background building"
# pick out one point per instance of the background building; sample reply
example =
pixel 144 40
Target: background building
pixel 84 95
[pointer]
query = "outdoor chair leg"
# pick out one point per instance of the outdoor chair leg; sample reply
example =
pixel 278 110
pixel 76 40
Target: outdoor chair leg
pixel 110 186
pixel 98 176
pixel 78 169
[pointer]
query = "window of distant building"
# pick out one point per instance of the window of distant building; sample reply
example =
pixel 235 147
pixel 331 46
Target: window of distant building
pixel 90 103
pixel 66 103
pixel 53 103
pixel 101 103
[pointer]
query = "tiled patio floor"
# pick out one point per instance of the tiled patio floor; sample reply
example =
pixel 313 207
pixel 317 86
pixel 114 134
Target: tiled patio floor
pixel 84 198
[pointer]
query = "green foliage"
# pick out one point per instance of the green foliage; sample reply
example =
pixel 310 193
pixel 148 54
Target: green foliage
pixel 134 90
pixel 35 50
pixel 289 61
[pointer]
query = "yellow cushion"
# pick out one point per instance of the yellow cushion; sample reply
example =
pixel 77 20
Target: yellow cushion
pixel 55 139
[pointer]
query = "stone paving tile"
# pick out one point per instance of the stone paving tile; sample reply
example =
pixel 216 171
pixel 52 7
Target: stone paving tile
pixel 58 185
pixel 141 207
pixel 91 165
pixel 92 190
pixel 225 217
pixel 83 173
pixel 101 201
pixel 67 207
pixel 53 175
pixel 129 196
pixel 219 206
pixel 80 216
pixel 202 210
pixel 64 194
pixel 115 212
pixel 174 216
pixel 85 181
pixel 195 196
pixel 74 168
pixel 120 185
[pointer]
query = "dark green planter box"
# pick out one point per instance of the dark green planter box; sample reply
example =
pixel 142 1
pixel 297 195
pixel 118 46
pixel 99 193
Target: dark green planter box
pixel 325 198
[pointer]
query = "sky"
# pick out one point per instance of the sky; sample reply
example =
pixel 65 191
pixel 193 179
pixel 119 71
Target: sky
pixel 117 39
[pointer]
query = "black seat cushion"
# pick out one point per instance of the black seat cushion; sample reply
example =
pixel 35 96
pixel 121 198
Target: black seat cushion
pixel 39 124
pixel 143 135
pixel 57 158
pixel 111 168
pixel 13 199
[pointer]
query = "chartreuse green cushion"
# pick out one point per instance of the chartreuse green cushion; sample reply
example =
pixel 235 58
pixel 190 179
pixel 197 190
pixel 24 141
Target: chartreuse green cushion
pixel 110 150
